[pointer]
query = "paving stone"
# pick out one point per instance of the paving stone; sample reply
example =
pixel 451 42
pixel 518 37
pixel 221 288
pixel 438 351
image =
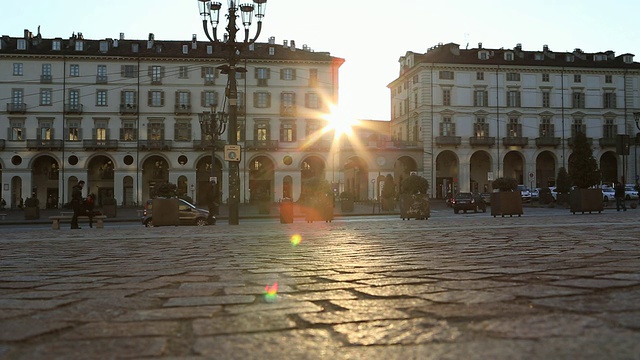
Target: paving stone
pixel 595 283
pixel 623 300
pixel 32 304
pixel 114 348
pixel 23 328
pixel 540 291
pixel 318 295
pixel 401 303
pixel 210 300
pixel 175 313
pixel 474 284
pixel 467 296
pixel 399 290
pixel 391 332
pixel 538 326
pixel 96 330
pixel 243 323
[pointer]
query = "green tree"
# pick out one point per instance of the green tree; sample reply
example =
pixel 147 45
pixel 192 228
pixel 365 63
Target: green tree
pixel 563 183
pixel 415 184
pixel 583 167
pixel 389 187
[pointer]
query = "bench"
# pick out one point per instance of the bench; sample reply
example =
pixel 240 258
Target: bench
pixel 98 219
pixel 3 216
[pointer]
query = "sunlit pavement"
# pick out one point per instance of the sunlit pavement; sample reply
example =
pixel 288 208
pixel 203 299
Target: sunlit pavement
pixel 546 285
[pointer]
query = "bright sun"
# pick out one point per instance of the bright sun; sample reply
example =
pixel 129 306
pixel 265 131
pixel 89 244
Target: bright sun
pixel 339 122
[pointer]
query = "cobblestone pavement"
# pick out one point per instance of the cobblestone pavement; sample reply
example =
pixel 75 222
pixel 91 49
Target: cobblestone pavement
pixel 456 287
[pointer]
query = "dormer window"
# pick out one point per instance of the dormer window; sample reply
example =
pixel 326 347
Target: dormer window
pixel 79 45
pixel 135 48
pixel 599 57
pixel 209 49
pixel 569 58
pixel 483 55
pixel 272 50
pixel 56 45
pixel 539 56
pixel 104 46
pixel 508 56
pixel 22 44
pixel 628 59
pixel 185 49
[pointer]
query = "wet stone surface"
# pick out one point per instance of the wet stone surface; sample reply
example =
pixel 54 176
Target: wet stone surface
pixel 474 287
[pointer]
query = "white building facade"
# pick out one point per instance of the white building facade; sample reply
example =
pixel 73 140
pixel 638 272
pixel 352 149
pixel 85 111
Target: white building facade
pixel 483 113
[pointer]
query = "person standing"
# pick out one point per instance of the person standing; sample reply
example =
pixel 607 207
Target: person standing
pixel 77 204
pixel 620 194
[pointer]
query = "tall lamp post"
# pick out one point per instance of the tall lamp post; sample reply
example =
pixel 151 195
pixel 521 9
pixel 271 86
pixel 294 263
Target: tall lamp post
pixel 636 117
pixel 210 13
pixel 213 124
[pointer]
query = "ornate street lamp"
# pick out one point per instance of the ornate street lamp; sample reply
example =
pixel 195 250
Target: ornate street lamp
pixel 210 13
pixel 213 124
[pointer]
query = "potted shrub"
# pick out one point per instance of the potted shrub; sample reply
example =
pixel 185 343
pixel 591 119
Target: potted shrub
pixel 388 193
pixel 319 202
pixel 563 186
pixel 544 196
pixel 584 174
pixel 415 190
pixel 166 206
pixel 346 201
pixel 32 208
pixel 506 201
pixel 264 203
pixel 109 207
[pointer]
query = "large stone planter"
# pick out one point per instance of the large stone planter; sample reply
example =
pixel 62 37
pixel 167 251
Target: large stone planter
pixel 586 200
pixel 110 211
pixel 346 205
pixel 388 204
pixel 165 212
pixel 264 207
pixel 32 213
pixel 506 203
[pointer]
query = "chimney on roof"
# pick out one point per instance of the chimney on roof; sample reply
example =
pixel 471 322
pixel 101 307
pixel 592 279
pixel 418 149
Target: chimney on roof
pixel 293 45
pixel 115 43
pixel 305 47
pixel 150 41
pixel 121 36
pixel 518 47
pixel 479 45
pixel 194 41
pixel 285 43
pixel 272 40
pixel 545 48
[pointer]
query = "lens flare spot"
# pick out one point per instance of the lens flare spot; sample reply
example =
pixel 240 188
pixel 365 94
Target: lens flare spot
pixel 271 292
pixel 295 239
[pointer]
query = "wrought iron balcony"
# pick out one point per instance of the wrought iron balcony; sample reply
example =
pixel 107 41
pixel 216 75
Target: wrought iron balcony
pixel 128 109
pixel 155 144
pixel 288 110
pixel 41 144
pixel 402 144
pixel 46 79
pixel 548 141
pixel 100 144
pixel 206 144
pixel 261 144
pixel 16 108
pixel 571 140
pixel 515 141
pixel 448 140
pixel 183 109
pixel 482 140
pixel 73 108
pixel 101 79
pixel 607 142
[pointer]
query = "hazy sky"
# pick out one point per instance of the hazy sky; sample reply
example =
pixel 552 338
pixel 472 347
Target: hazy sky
pixel 369 35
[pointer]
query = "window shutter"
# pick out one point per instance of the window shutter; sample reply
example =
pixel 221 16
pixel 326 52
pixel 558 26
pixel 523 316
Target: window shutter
pixel 150 71
pixel 122 71
pixel 162 98
pixel 121 134
pixel 293 75
pixel 203 71
pixel 53 133
pixel 202 99
pixel 268 131
pixel 161 72
pixel 149 98
pixel 293 131
pixel 613 100
pixel 108 134
pixel 282 134
pixel 486 98
pixel 268 100
pixel 65 134
pixel 122 97
pixel 453 129
pixel 255 73
pixel 93 134
pixel 293 99
pixel 135 98
pixel 282 74
pixel 268 73
pixel 177 98
pixel 255 100
pixel 475 98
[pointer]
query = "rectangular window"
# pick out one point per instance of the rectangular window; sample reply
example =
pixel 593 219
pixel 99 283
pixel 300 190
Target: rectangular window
pixel 513 98
pixel 209 75
pixel 546 128
pixel 74 98
pixel 128 131
pixel 74 70
pixel 608 79
pixel 17 97
pixel 513 76
pixel 287 132
pixel 56 45
pixel 480 98
pixel 155 131
pixel 73 130
pixel 610 129
pixel 288 103
pixel 288 74
pixel 17 130
pixel 183 130
pixel 129 71
pixel 22 44
pixel 129 99
pixel 46 73
pixel 313 101
pixel 45 131
pixel 545 77
pixel 156 74
pixel 156 98
pixel 183 72
pixel 262 74
pixel 104 46
pixel 446 96
pixel 447 127
pixel 577 78
pixel 101 98
pixel 102 74
pixel 262 131
pixel 514 129
pixel 45 97
pixel 578 100
pixel 262 100
pixel 481 128
pixel 210 99
pixel 609 100
pixel 183 99
pixel 446 75
pixel 578 127
pixel 18 69
pixel 101 130
pixel 79 45
pixel 313 77
pixel 546 99
pixel 479 75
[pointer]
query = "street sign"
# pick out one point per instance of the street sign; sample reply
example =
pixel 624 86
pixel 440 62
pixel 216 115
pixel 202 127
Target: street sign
pixel 232 153
pixel 531 175
pixel 490 176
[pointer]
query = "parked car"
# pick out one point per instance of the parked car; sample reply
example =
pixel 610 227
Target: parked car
pixel 554 193
pixel 467 201
pixel 630 193
pixel 525 193
pixel 535 194
pixel 189 214
pixel 608 194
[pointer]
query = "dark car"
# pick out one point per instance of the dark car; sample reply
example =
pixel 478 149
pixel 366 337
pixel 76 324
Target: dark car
pixel 189 214
pixel 467 201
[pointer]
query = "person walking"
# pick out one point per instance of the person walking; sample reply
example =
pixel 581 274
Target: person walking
pixel 620 194
pixel 77 204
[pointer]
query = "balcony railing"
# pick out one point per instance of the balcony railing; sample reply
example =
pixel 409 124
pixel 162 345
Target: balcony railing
pixel 571 140
pixel 155 144
pixel 548 141
pixel 607 142
pixel 183 109
pixel 261 144
pixel 101 79
pixel 45 79
pixel 403 144
pixel 448 140
pixel 482 140
pixel 288 110
pixel 73 108
pixel 515 141
pixel 206 144
pixel 318 145
pixel 40 144
pixel 100 144
pixel 16 108
pixel 128 109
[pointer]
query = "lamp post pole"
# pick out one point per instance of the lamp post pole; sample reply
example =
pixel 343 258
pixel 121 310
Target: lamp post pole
pixel 213 124
pixel 210 12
